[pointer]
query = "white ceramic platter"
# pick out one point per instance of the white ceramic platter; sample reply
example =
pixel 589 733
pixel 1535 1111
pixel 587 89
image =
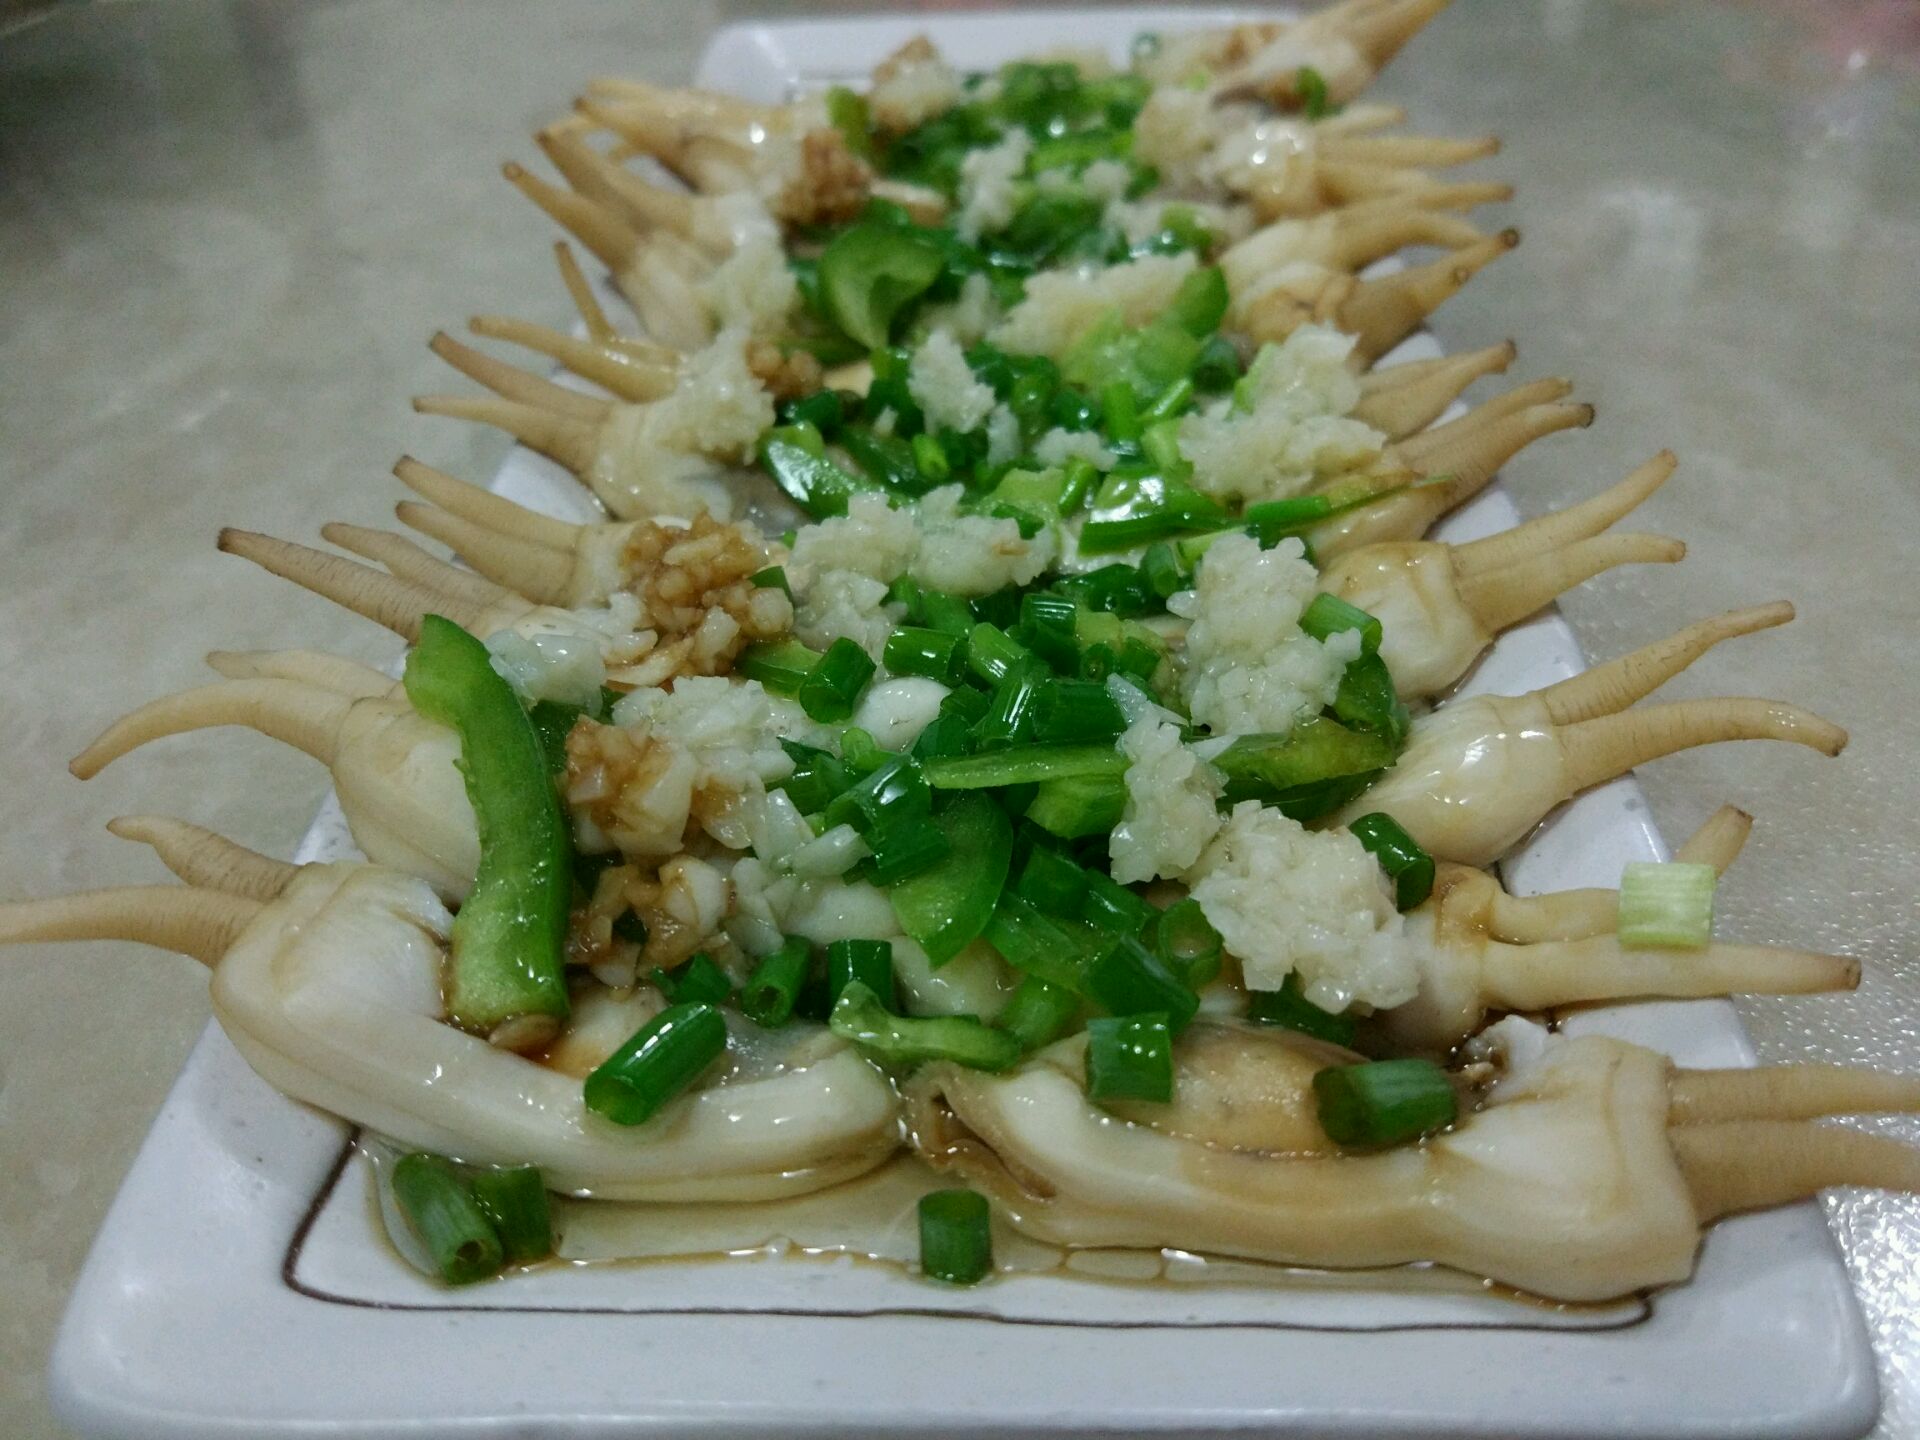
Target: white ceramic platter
pixel 241 1287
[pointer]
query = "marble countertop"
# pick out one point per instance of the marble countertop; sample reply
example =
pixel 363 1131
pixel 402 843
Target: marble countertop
pixel 227 228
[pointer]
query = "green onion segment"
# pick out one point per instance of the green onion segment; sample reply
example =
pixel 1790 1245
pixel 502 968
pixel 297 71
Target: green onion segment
pixel 1668 905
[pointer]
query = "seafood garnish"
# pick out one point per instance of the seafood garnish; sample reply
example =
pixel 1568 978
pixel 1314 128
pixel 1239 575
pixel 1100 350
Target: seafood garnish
pixel 1007 717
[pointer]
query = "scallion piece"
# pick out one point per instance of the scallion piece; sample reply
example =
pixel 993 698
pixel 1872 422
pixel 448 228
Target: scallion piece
pixel 698 982
pixel 859 1016
pixel 1311 88
pixel 1166 405
pixel 903 847
pixel 1126 978
pixel 832 688
pixel 1009 719
pixel 1408 866
pixel 1067 712
pixel 895 791
pixel 1187 943
pixel 1130 1057
pixel 1200 304
pixel 1289 1008
pixel 1028 765
pixel 930 459
pixel 1112 907
pixel 1667 905
pixel 769 995
pixel 1120 410
pixel 1047 622
pixel 994 654
pixel 818 777
pixel 1160 442
pixel 1038 1012
pixel 956 1237
pixel 1056 951
pixel 1077 806
pixel 444 1216
pixel 867 962
pixel 774 577
pixel 1162 572
pixel 946 906
pixel 1329 615
pixel 664 1057
pixel 515 1200
pixel 1384 1102
pixel 782 666
pixel 861 752
pixel 1051 881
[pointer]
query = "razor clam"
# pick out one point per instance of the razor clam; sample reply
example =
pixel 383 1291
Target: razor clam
pixel 327 978
pixel 1585 1174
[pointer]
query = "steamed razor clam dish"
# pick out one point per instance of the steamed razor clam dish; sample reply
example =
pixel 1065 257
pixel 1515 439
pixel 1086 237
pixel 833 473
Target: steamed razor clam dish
pixel 1006 717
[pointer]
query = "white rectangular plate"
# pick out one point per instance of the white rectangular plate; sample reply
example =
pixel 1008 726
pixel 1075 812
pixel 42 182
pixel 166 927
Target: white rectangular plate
pixel 241 1287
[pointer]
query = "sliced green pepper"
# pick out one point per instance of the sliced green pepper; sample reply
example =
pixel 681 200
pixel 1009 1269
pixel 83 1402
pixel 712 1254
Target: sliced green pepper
pixel 1270 767
pixel 869 273
pixel 508 955
pixel 821 487
pixel 944 908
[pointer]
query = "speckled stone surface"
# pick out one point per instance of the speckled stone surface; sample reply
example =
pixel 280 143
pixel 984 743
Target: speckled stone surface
pixel 226 230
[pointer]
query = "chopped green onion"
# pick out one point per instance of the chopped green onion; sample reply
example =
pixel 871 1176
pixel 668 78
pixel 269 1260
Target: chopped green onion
pixel 1217 367
pixel 862 753
pixel 1130 1057
pixel 1126 978
pixel 1289 1008
pixel 1038 1012
pixel 832 688
pixel 782 666
pixel 904 846
pixel 1329 615
pixel 1161 444
pixel 824 410
pixel 698 982
pixel 1162 572
pixel 859 1016
pixel 896 790
pixel 1052 882
pixel 1384 1102
pixel 934 609
pixel 1120 410
pixel 1273 520
pixel 965 703
pixel 774 577
pixel 885 458
pixel 1070 711
pixel 515 1200
pixel 553 721
pixel 847 113
pixel 956 1237
pixel 1009 718
pixel 1030 764
pixel 1112 907
pixel 1667 905
pixel 1311 86
pixel 945 907
pixel 930 458
pixel 1407 864
pixel 1035 945
pixel 869 273
pixel 1047 624
pixel 1170 402
pixel 1076 806
pixel 1187 943
pixel 769 995
pixel 1201 302
pixel 948 734
pixel 818 777
pixel 994 654
pixel 444 1216
pixel 866 962
pixel 1112 589
pixel 664 1057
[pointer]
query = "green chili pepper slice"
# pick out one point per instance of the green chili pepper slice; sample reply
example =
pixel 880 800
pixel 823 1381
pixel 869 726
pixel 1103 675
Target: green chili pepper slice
pixel 508 956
